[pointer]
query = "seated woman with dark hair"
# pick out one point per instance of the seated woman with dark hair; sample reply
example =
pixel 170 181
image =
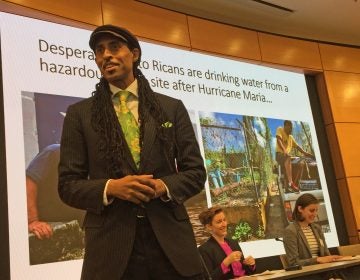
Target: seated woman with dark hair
pixel 223 257
pixel 304 240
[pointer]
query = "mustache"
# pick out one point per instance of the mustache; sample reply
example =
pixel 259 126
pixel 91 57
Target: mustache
pixel 108 63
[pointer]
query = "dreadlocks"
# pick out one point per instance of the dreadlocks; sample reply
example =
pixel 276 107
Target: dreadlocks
pixel 105 122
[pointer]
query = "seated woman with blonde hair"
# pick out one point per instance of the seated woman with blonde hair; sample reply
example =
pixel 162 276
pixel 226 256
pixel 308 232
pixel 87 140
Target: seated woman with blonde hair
pixel 222 256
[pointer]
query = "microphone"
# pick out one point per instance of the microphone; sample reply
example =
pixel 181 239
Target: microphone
pixel 279 239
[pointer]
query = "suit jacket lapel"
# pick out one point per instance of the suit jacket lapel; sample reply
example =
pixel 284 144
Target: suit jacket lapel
pixel 303 238
pixel 148 141
pixel 220 254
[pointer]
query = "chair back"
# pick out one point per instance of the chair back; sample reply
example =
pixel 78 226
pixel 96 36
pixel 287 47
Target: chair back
pixel 349 250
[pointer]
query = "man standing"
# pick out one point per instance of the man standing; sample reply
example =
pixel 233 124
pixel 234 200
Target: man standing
pixel 285 142
pixel 130 158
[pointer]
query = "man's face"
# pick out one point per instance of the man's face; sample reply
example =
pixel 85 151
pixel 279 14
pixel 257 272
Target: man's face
pixel 115 60
pixel 288 128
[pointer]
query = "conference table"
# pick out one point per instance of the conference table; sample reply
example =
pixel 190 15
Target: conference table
pixel 310 271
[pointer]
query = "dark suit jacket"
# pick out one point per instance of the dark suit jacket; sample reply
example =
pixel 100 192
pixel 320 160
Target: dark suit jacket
pixel 110 230
pixel 213 255
pixel 297 248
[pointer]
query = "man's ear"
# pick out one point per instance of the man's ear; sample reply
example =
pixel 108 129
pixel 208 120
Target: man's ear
pixel 136 54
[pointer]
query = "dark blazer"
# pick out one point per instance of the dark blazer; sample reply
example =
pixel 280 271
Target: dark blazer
pixel 297 248
pixel 213 255
pixel 110 230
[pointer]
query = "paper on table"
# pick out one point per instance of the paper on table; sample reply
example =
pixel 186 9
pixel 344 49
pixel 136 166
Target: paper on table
pixel 267 272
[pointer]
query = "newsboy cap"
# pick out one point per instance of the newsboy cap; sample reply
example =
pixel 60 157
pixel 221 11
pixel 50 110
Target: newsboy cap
pixel 116 31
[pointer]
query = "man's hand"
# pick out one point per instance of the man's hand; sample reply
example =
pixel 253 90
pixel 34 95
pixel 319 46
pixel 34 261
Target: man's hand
pixel 160 188
pixel 40 229
pixel 134 188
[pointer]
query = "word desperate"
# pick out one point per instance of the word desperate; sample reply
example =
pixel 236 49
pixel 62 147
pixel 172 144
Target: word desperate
pixel 68 52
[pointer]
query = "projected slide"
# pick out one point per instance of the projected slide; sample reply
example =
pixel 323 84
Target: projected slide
pixel 235 108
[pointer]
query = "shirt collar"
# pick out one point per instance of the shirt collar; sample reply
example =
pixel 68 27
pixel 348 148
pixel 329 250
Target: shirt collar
pixel 133 88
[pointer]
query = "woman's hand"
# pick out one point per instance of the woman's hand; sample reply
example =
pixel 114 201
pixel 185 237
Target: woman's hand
pixel 249 261
pixel 327 259
pixel 233 257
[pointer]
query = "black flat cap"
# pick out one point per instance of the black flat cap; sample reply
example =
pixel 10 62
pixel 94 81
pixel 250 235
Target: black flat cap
pixel 116 31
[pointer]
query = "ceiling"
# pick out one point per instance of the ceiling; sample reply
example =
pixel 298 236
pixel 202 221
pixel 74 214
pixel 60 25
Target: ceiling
pixel 333 21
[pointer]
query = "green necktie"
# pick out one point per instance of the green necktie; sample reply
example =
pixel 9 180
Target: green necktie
pixel 128 124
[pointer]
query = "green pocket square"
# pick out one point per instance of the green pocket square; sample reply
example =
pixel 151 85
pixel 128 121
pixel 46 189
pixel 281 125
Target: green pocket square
pixel 167 124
